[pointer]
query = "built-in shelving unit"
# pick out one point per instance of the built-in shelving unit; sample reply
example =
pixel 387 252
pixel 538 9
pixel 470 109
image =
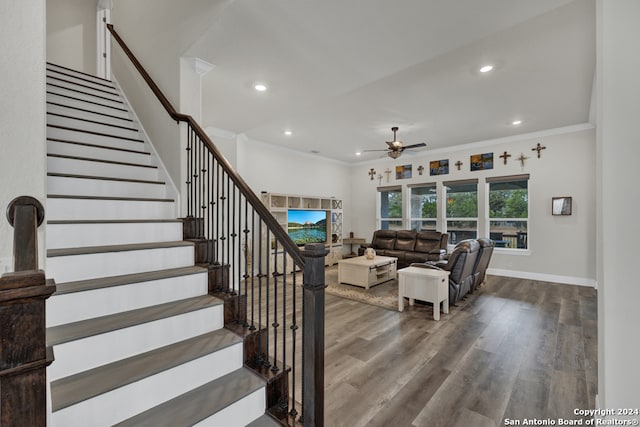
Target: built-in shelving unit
pixel 279 205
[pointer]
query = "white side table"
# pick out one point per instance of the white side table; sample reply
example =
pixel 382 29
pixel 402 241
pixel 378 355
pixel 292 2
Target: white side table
pixel 424 284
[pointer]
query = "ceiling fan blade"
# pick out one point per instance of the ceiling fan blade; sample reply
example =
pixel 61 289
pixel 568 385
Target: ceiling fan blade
pixel 422 144
pixel 367 151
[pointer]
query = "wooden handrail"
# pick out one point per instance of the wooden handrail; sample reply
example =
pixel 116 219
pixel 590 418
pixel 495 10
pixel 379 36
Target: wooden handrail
pixel 284 239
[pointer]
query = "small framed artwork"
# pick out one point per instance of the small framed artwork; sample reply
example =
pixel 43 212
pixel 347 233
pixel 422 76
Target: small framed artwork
pixel 561 205
pixel 481 161
pixel 403 172
pixel 439 167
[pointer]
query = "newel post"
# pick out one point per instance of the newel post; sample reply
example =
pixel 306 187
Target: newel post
pixel 24 356
pixel 313 335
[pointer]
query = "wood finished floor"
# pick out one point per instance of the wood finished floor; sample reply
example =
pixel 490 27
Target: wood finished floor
pixel 517 349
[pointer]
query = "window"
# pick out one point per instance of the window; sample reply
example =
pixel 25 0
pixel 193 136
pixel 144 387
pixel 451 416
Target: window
pixel 390 208
pixel 462 210
pixel 509 211
pixel 424 210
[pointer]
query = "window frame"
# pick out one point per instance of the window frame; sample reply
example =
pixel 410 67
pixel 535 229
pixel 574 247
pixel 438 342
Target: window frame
pixel 489 220
pixel 446 186
pixel 410 217
pixel 379 218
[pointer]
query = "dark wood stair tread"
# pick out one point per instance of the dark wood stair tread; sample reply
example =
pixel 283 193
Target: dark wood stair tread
pixel 89 111
pixel 85 385
pixel 86 144
pixel 79 72
pixel 99 325
pixel 53 85
pixel 125 279
pixel 200 403
pixel 95 122
pixel 82 85
pixel 107 135
pixel 126 199
pixel 104 178
pixel 83 250
pixel 112 221
pixel 112 162
pixel 87 101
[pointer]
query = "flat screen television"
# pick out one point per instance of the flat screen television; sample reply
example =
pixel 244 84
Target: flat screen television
pixel 307 226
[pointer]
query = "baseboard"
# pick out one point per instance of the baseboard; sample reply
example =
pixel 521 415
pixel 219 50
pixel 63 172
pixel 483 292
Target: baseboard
pixel 566 280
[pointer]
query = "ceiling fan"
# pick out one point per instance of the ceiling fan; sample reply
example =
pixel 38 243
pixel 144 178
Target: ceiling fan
pixel 396 147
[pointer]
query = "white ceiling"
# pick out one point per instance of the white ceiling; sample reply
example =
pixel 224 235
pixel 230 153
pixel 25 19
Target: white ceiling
pixel 341 73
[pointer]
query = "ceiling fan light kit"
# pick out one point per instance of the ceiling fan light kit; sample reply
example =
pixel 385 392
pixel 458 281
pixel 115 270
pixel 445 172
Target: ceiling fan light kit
pixel 396 147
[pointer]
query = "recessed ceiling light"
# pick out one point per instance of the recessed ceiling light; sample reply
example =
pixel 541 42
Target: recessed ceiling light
pixel 486 68
pixel 516 122
pixel 260 87
pixel 358 153
pixel 288 132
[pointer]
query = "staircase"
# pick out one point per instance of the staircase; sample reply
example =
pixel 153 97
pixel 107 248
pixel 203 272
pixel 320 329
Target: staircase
pixel 136 337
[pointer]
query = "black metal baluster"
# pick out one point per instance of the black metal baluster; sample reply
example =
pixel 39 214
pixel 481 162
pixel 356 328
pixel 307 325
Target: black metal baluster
pixel 209 234
pixel 223 239
pixel 188 181
pixel 227 235
pixel 203 183
pixel 253 266
pixel 294 330
pixel 260 275
pixel 245 276
pixel 275 324
pixel 218 218
pixel 267 307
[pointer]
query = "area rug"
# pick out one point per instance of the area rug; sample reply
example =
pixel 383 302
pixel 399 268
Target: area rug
pixel 384 295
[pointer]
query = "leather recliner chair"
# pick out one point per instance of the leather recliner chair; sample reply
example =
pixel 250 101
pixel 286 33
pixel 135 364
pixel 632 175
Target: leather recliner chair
pixel 482 262
pixel 460 266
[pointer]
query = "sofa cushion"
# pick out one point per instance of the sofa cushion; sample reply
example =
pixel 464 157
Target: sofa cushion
pixel 405 240
pixel 384 239
pixel 412 257
pixel 428 241
pixel 397 254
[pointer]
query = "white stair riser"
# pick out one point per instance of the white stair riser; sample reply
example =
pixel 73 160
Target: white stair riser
pixel 79 84
pixel 68 209
pixel 108 141
pixel 118 112
pixel 103 188
pixel 125 402
pixel 91 266
pixel 76 306
pixel 89 115
pixel 239 413
pixel 77 150
pixel 95 127
pixel 90 168
pixel 54 84
pixel 88 353
pixel 54 70
pixel 103 99
pixel 102 234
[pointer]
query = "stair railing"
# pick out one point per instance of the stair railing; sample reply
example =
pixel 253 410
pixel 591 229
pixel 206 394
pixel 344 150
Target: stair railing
pixel 253 259
pixel 24 356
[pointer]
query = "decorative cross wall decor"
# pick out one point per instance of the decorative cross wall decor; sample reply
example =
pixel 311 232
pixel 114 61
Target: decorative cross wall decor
pixel 379 179
pixel 522 158
pixel 458 164
pixel 539 148
pixel 388 173
pixel 505 156
pixel 372 173
pixel 420 169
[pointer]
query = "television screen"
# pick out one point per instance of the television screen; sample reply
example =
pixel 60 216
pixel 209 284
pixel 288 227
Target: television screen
pixel 307 226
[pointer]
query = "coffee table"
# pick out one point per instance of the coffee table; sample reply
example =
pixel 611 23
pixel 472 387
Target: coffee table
pixel 424 284
pixel 364 272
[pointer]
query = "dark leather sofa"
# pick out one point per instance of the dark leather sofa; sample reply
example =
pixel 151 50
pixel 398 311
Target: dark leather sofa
pixel 408 246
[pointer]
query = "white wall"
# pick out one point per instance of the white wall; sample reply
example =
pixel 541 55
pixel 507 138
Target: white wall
pixel 618 153
pixel 22 114
pixel 71 34
pixel 562 248
pixel 273 169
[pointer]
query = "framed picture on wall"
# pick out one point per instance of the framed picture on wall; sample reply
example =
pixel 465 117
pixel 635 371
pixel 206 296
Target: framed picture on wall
pixel 481 161
pixel 561 205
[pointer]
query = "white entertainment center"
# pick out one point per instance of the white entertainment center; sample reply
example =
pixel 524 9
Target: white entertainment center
pixel 280 206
